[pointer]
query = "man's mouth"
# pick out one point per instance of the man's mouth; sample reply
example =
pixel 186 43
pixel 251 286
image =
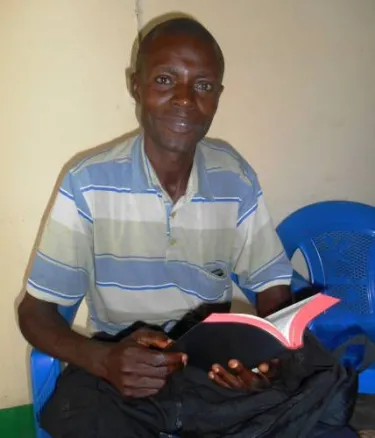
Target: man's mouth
pixel 179 125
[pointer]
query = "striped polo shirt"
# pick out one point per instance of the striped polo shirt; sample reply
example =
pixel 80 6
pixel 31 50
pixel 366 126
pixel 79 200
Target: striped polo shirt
pixel 114 237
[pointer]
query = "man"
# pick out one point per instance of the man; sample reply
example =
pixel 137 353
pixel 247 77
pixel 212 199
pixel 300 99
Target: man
pixel 153 227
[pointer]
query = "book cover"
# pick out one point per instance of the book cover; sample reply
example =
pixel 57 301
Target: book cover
pixel 224 336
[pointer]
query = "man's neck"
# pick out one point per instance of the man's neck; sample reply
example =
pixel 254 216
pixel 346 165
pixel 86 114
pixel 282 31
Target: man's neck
pixel 172 169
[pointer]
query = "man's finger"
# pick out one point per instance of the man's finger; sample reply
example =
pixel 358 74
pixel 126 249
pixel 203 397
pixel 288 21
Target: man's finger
pixel 217 379
pixel 251 380
pixel 151 338
pixel 142 370
pixel 247 376
pixel 226 376
pixel 263 367
pixel 139 393
pixel 143 382
pixel 172 361
pixel 274 368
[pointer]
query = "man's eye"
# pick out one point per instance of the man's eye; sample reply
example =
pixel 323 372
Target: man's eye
pixel 163 80
pixel 204 86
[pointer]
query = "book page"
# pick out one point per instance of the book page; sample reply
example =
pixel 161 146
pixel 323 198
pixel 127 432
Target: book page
pixel 282 319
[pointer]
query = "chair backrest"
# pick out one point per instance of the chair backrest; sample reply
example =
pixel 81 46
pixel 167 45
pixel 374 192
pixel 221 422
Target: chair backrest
pixel 337 240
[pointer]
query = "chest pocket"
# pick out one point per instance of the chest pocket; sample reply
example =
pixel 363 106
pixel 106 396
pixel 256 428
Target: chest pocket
pixel 203 232
pixel 129 225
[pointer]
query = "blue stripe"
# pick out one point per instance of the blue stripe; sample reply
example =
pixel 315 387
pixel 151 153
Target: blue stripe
pixel 113 174
pixel 216 200
pixel 58 278
pixel 162 262
pixel 246 214
pixel 52 292
pixel 161 287
pixel 228 184
pixel 85 216
pixel 90 157
pixel 279 268
pixel 144 274
pixel 93 187
pixel 76 197
pixel 66 194
pixel 136 258
pixel 212 169
pixel 226 149
pixel 74 268
pixel 96 188
pixel 197 199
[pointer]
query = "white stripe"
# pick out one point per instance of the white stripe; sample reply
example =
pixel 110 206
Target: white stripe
pixel 50 298
pixel 163 305
pixel 206 216
pixel 65 213
pixel 142 208
pixel 278 282
pixel 267 265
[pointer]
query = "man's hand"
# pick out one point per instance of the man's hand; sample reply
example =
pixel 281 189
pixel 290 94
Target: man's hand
pixel 242 378
pixel 135 369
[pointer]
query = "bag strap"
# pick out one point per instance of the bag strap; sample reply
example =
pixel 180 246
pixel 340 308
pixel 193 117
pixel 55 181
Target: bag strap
pixel 359 339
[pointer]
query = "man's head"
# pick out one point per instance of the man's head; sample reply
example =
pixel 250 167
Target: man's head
pixel 178 83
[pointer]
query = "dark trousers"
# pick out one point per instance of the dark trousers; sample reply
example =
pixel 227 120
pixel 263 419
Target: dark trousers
pixel 342 433
pixel 87 407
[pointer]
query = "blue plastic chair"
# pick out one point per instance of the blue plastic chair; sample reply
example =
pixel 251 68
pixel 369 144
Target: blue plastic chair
pixel 337 240
pixel 45 371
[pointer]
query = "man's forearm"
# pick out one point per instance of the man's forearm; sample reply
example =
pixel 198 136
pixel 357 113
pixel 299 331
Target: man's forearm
pixel 273 299
pixel 44 328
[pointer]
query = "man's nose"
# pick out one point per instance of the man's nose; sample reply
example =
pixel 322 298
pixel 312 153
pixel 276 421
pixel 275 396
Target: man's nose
pixel 183 96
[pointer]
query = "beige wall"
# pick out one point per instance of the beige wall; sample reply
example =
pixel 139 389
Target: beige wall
pixel 299 104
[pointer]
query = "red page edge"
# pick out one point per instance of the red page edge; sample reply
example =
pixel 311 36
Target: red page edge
pixel 314 308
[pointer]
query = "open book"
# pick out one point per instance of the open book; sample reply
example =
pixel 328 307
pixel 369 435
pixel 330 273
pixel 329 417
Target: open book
pixel 249 338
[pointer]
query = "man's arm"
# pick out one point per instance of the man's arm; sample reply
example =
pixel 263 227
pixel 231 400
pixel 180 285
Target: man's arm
pixel 44 328
pixel 273 299
pixel 60 275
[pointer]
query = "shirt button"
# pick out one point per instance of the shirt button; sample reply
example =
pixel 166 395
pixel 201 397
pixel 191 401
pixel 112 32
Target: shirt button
pixel 173 242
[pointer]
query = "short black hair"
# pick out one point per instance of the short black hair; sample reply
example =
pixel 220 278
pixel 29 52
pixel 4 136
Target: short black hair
pixel 180 26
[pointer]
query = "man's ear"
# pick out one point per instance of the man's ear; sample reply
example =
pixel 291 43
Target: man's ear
pixel 221 90
pixel 135 86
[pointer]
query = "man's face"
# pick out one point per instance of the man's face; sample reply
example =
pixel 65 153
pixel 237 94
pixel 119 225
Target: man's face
pixel 178 89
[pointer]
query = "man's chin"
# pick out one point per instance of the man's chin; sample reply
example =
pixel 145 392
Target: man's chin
pixel 179 148
pixel 178 144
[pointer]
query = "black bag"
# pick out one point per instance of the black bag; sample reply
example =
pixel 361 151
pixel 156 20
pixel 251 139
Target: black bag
pixel 313 394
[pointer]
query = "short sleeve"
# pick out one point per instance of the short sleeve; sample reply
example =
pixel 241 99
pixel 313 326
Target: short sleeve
pixel 260 261
pixel 63 262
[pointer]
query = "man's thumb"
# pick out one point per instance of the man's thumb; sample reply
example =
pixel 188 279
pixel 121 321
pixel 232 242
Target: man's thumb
pixel 151 338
